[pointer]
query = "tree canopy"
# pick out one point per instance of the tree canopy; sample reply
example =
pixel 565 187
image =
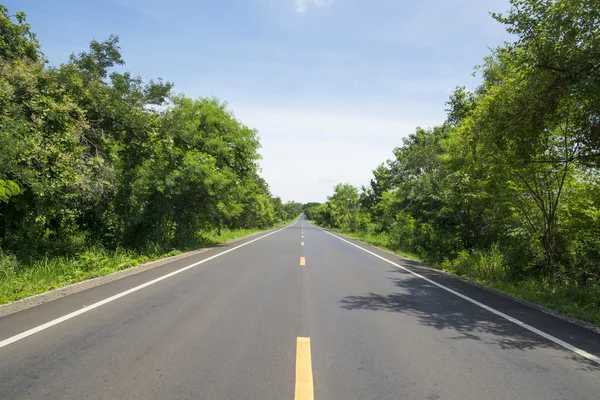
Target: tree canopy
pixel 93 156
pixel 513 171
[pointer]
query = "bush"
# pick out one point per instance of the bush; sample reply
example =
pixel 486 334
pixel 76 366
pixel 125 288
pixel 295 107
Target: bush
pixel 489 265
pixel 402 232
pixel 9 265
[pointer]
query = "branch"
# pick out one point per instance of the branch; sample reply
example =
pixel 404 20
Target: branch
pixel 551 68
pixel 533 192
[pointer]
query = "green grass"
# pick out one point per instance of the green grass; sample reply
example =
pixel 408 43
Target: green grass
pixel 567 298
pixel 489 269
pixel 18 281
pixel 380 240
pixel 212 238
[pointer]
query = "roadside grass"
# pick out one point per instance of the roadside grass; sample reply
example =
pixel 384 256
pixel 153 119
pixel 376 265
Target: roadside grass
pixel 568 298
pixel 212 238
pixel 18 281
pixel 489 269
pixel 380 240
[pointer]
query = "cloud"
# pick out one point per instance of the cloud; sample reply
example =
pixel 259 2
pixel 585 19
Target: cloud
pixel 306 151
pixel 302 5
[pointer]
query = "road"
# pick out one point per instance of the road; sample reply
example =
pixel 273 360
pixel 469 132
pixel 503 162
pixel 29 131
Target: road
pixel 249 321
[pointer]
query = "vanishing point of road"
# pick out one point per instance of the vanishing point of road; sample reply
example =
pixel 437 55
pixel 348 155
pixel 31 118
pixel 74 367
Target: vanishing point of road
pixel 295 313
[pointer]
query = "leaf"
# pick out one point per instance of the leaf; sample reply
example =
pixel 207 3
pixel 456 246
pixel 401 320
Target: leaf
pixel 8 189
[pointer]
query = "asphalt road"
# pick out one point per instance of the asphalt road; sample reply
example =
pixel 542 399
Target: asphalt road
pixel 251 322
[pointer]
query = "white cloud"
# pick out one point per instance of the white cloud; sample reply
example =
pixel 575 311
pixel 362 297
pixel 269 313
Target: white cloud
pixel 302 5
pixel 307 151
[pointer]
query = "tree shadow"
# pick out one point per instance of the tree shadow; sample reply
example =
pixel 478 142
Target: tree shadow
pixel 585 364
pixel 442 310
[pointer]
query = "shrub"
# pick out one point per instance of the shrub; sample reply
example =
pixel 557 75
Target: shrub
pixel 488 265
pixel 9 265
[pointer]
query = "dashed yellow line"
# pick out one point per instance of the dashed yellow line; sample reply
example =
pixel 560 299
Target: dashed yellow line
pixel 304 376
pixel 301 243
pixel 302 261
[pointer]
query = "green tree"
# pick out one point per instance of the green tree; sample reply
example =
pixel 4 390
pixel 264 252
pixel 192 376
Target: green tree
pixel 557 55
pixel 344 204
pixel 308 207
pixel 17 41
pixel 91 156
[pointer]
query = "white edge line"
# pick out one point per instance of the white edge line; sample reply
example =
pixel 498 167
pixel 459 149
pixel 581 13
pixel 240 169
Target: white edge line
pixel 100 303
pixel 559 342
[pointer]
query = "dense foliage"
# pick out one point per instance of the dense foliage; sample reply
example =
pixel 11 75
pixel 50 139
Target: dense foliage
pixel 508 188
pixel 94 157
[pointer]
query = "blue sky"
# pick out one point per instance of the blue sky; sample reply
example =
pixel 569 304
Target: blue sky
pixel 331 85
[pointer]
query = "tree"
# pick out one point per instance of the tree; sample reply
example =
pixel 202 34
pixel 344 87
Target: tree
pixel 559 58
pixel 92 156
pixel 344 206
pixel 511 178
pixel 17 41
pixel 460 104
pixel 308 207
pixel 321 214
pixel 292 209
pixel 535 155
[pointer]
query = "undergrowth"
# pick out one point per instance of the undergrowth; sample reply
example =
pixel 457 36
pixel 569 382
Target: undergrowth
pixel 19 280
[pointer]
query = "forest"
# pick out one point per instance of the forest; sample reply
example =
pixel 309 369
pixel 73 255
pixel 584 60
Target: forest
pixel 101 170
pixel 505 192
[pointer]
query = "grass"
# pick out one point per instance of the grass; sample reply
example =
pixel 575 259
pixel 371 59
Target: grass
pixel 212 238
pixel 568 298
pixel 18 281
pixel 488 268
pixel 380 240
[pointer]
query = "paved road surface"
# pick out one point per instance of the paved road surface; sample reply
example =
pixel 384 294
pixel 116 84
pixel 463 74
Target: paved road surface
pixel 253 323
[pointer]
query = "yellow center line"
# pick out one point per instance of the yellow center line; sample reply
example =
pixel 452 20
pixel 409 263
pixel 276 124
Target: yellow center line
pixel 304 376
pixel 301 243
pixel 302 236
pixel 302 261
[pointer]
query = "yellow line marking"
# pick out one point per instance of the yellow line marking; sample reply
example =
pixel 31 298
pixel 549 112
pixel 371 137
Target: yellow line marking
pixel 301 243
pixel 302 261
pixel 304 376
pixel 302 236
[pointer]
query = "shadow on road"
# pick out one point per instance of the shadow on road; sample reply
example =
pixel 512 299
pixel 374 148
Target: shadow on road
pixel 441 310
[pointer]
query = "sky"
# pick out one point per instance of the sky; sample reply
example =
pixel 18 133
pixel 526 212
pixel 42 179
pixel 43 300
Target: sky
pixel 332 86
